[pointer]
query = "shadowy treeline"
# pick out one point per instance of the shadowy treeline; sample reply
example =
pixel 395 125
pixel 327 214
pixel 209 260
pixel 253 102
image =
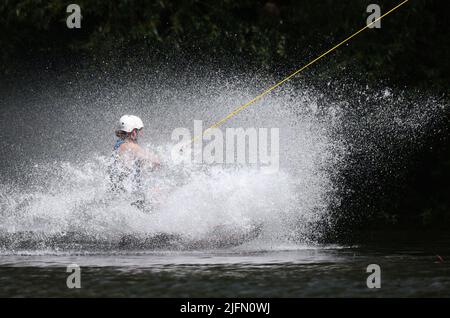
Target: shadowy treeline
pixel 411 50
pixel 411 47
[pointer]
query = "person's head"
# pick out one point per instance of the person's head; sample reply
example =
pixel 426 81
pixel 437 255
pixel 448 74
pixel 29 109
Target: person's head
pixel 130 127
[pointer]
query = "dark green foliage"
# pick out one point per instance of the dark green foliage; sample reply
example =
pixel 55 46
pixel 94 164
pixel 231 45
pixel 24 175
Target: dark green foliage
pixel 411 46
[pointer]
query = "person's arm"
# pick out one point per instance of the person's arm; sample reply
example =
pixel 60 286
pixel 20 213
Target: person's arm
pixel 153 160
pixel 150 159
pixel 134 152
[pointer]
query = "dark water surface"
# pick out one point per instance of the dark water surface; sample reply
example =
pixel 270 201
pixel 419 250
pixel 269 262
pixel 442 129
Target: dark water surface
pixel 332 271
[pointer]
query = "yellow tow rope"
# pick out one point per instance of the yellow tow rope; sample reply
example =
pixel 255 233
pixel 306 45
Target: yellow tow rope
pixel 239 109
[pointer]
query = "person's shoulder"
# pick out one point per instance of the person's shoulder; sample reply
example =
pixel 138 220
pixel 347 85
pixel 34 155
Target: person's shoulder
pixel 129 146
pixel 124 147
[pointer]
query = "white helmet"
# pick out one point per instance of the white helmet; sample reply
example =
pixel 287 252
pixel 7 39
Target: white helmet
pixel 128 123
